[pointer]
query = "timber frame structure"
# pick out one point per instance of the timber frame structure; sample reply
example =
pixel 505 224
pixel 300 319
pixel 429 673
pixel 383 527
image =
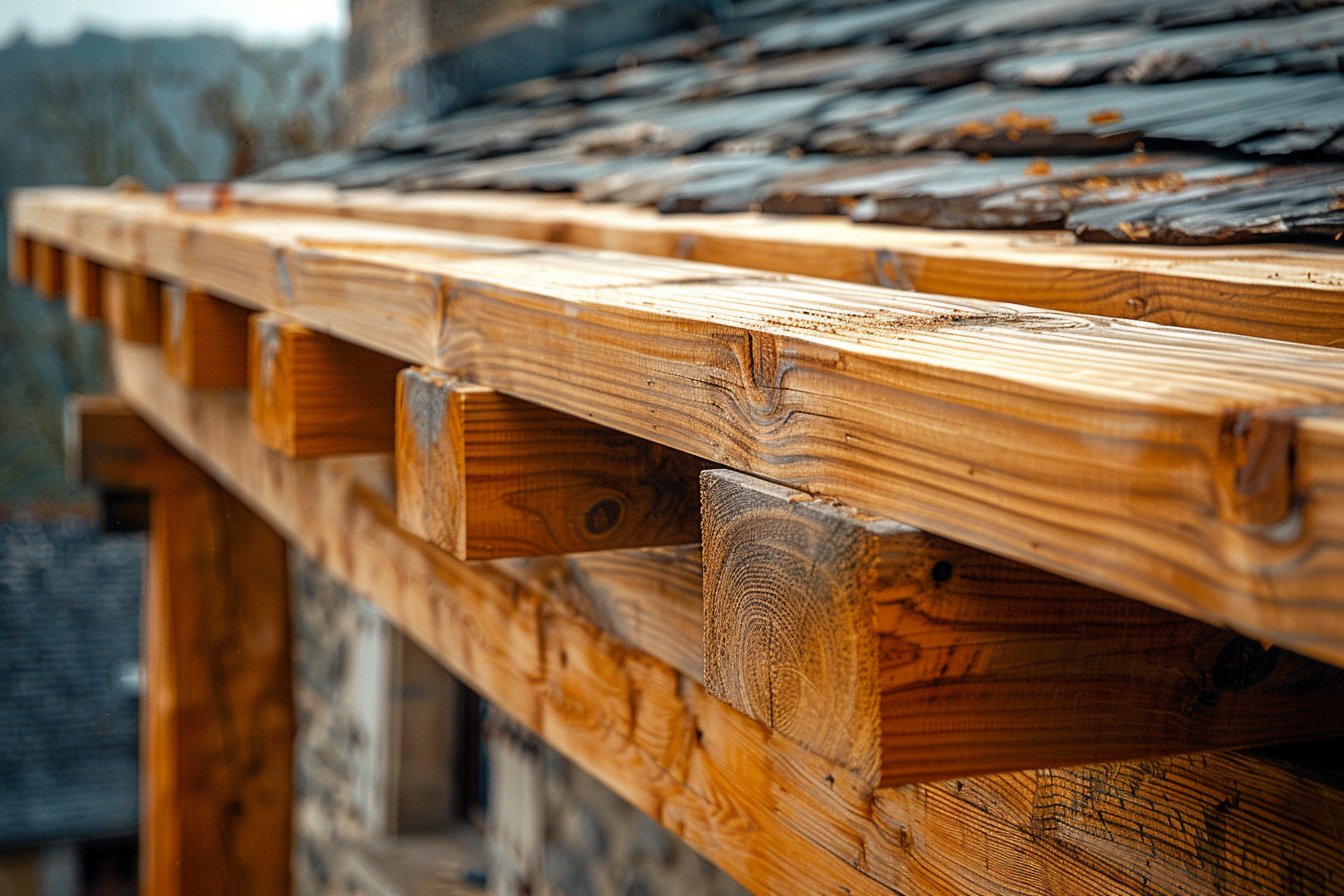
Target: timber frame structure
pixel 854 589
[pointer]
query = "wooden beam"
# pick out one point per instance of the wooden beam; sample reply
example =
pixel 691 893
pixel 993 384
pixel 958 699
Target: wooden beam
pixel 314 395
pixel 218 722
pixel 48 270
pixel 907 657
pixel 84 288
pixel 1295 293
pixel 484 475
pixel 20 264
pixel 204 339
pixel 1151 461
pixel 132 305
pixel 109 446
pixel 767 811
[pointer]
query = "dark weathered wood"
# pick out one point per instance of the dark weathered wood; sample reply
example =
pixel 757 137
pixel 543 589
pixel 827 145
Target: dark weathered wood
pixel 204 339
pixel 315 395
pixel 218 714
pixel 906 657
pixel 774 816
pixel 84 288
pixel 484 475
pixel 108 445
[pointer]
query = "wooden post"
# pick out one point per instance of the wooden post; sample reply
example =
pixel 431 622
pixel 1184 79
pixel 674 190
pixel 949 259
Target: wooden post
pixel 132 305
pixel 315 395
pixel 217 714
pixel 204 339
pixel 83 285
pixel 907 657
pixel 484 475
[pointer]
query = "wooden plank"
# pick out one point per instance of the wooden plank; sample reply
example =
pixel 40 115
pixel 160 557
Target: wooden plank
pixel 218 708
pixel 1149 461
pixel 484 475
pixel 314 395
pixel 84 288
pixel 1290 293
pixel 48 270
pixel 906 657
pixel 204 339
pixel 20 263
pixel 132 305
pixel 772 815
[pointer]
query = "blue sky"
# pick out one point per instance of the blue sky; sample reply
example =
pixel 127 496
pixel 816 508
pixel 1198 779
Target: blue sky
pixel 55 20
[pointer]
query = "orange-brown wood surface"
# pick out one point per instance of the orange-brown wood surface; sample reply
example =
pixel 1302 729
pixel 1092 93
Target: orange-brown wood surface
pixel 906 657
pixel 484 475
pixel 776 817
pixel 83 288
pixel 1152 461
pixel 132 305
pixel 314 395
pixel 1294 293
pixel 218 715
pixel 204 339
pixel 48 270
pixel 20 258
pixel 108 445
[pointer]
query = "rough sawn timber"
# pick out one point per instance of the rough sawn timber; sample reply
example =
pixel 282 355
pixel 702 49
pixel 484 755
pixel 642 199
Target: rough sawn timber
pixel 774 816
pixel 485 475
pixel 906 657
pixel 1294 293
pixel 1156 462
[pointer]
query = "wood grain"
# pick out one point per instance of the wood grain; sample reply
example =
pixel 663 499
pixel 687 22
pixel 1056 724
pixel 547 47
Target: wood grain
pixel 84 288
pixel 20 258
pixel 313 395
pixel 1150 461
pixel 906 657
pixel 218 717
pixel 774 816
pixel 48 270
pixel 483 475
pixel 132 305
pixel 108 445
pixel 204 339
pixel 1294 293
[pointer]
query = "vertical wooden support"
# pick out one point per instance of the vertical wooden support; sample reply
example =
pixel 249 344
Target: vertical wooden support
pixel 314 395
pixel 218 713
pixel 48 268
pixel 20 258
pixel 907 657
pixel 217 716
pixel 83 288
pixel 204 339
pixel 485 475
pixel 132 306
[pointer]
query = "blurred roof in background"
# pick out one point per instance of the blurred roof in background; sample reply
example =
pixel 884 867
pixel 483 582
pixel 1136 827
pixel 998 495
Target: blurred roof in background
pixel 1188 121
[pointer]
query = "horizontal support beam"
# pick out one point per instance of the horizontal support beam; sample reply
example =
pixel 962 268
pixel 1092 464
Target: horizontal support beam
pixel 204 339
pixel 314 395
pixel 907 657
pixel 1294 293
pixel 764 809
pixel 484 475
pixel 1155 462
pixel 110 446
pixel 83 288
